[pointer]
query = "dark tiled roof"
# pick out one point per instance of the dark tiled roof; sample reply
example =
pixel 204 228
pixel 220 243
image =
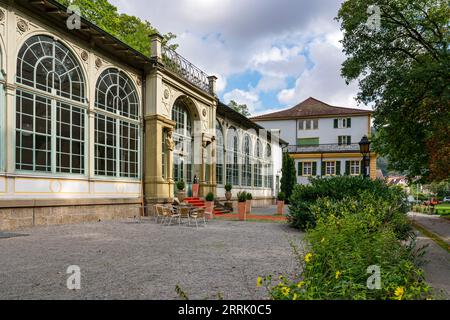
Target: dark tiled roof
pixel 311 107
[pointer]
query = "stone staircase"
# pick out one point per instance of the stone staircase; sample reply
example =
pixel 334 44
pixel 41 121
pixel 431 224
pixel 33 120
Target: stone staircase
pixel 200 203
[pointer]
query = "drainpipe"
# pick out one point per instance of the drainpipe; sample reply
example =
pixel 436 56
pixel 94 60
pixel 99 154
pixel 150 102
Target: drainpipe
pixel 143 202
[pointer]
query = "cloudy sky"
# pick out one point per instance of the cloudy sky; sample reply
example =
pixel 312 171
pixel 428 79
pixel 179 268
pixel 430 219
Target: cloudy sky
pixel 269 54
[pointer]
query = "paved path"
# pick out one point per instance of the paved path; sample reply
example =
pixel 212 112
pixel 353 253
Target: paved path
pixel 126 260
pixel 433 223
pixel 437 268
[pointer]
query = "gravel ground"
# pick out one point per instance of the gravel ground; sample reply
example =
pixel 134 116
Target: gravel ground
pixel 129 260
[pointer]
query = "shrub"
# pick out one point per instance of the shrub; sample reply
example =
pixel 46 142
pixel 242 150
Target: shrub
pixel 181 185
pixel 289 176
pixel 228 187
pixel 209 197
pixel 249 196
pixel 335 265
pixel 242 196
pixel 362 190
pixel 281 196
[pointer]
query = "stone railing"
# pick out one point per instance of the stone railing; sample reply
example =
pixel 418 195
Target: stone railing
pixel 324 148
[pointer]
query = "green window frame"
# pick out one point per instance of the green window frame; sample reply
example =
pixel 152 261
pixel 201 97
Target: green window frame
pixel 232 173
pixel 2 122
pixel 246 166
pixel 117 129
pixel 219 154
pixel 51 109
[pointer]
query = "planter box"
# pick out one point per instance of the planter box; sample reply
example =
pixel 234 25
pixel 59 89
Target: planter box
pixel 209 208
pixel 195 188
pixel 280 207
pixel 248 206
pixel 181 195
pixel 242 209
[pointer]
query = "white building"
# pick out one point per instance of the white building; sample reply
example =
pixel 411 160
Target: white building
pixel 323 139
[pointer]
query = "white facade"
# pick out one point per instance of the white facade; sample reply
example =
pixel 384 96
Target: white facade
pixel 327 134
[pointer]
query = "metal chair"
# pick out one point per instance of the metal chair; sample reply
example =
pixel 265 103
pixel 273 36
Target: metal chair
pixel 170 213
pixel 197 214
pixel 185 213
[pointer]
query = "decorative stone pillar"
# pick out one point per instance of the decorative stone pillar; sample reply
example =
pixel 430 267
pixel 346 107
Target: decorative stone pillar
pixel 157 187
pixel 212 85
pixel 156 46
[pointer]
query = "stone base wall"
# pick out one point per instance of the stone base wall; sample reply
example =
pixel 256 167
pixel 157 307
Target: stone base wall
pixel 18 218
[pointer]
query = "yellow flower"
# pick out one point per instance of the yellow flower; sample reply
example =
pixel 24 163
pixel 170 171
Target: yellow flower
pixel 285 291
pixel 308 257
pixel 399 292
pixel 300 284
pixel 323 240
pixel 295 297
pixel 338 274
pixel 259 282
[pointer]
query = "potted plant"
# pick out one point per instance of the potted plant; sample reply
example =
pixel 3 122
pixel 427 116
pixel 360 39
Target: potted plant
pixel 228 194
pixel 242 205
pixel 209 202
pixel 249 202
pixel 181 187
pixel 280 203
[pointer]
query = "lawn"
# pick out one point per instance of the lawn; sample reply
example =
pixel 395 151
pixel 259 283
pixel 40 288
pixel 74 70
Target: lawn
pixel 443 209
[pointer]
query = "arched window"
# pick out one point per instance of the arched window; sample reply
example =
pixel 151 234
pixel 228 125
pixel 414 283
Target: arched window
pixel 2 117
pixel 183 139
pixel 219 154
pixel 258 165
pixel 246 166
pixel 50 109
pixel 117 131
pixel 232 157
pixel 269 167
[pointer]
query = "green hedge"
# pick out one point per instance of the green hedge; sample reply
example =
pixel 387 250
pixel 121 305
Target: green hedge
pixel 335 264
pixel 362 190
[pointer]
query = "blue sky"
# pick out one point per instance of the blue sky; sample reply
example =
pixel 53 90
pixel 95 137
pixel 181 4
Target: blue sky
pixel 268 54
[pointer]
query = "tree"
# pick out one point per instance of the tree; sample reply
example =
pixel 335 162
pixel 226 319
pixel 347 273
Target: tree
pixel 403 70
pixel 289 178
pixel 129 29
pixel 241 108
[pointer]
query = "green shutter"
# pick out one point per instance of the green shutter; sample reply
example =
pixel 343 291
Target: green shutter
pixel 349 140
pixel 340 140
pixel 314 169
pixel 322 167
pixel 349 122
pixel 300 169
pixel 347 168
pixel 338 168
pixel 336 123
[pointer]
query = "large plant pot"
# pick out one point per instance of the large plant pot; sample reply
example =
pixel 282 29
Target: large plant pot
pixel 249 206
pixel 181 195
pixel 228 195
pixel 242 209
pixel 195 188
pixel 209 208
pixel 280 207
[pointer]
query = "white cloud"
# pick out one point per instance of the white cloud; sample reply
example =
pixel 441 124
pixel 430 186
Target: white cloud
pixel 279 39
pixel 251 99
pixel 323 80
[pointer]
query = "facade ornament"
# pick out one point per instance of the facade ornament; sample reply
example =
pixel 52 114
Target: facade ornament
pixel 170 144
pixel 2 15
pixel 22 25
pixel 98 63
pixel 84 55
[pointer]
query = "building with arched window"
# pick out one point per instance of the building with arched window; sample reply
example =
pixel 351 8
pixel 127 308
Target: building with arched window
pixel 91 129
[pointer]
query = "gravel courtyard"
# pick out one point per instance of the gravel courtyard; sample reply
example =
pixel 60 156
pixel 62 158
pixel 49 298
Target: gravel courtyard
pixel 129 260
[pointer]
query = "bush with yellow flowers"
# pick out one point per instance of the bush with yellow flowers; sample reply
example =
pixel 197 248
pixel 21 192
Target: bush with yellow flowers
pixel 335 264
